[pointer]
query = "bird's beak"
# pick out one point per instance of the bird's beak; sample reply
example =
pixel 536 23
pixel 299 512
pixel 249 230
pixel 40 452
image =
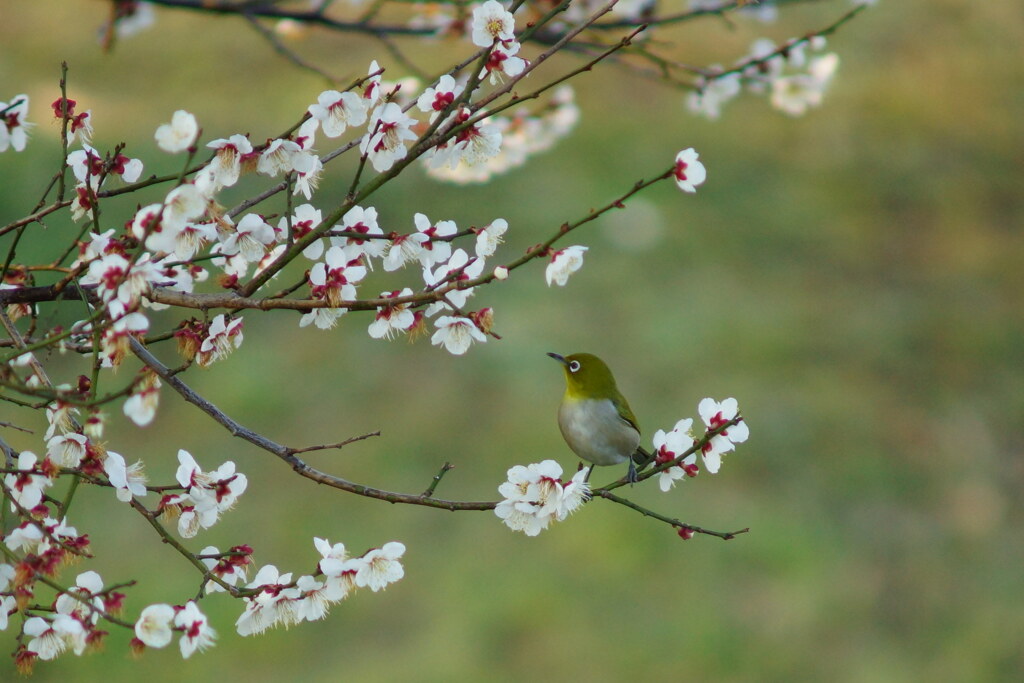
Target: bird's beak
pixel 560 359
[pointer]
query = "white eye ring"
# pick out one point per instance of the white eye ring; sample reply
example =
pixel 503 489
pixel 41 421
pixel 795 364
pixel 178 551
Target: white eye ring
pixel 574 365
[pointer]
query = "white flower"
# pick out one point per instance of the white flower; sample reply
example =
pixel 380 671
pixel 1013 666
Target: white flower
pixel 336 277
pixel 564 263
pixel 669 446
pixel 306 218
pixel 503 62
pixel 380 567
pixel 534 496
pixel 489 237
pixel 715 415
pixel 363 221
pixel 391 320
pixel 334 556
pixel 183 204
pixel 277 157
pixel 222 338
pixel 230 568
pixel 198 634
pixel 14 125
pixel 127 481
pixel 437 98
pixel 76 601
pixel 384 144
pixel 141 406
pixel 403 249
pixel 434 251
pixel 26 485
pixel 338 110
pixel 265 609
pixel 179 134
pixel 492 22
pixel 227 163
pixel 251 237
pixel 456 333
pixel 688 171
pixel 67 450
pixel 154 625
pixel 49 639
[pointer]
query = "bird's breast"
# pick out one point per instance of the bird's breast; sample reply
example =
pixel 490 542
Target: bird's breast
pixel 595 431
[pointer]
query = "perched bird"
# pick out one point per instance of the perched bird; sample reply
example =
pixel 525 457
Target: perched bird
pixel 595 418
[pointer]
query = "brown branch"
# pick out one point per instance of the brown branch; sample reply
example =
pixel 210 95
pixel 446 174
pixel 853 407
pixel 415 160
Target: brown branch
pixel 288 454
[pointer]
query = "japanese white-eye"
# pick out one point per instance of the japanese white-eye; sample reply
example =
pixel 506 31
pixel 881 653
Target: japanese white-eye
pixel 594 417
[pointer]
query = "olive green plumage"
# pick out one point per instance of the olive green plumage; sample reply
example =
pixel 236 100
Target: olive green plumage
pixel 594 417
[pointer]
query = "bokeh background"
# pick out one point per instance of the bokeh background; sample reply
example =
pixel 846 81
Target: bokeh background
pixel 853 277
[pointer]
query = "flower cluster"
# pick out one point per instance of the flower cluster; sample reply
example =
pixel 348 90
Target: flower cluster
pixel 535 495
pixel 677 447
pixel 206 494
pixel 793 80
pixel 278 599
pixel 71 624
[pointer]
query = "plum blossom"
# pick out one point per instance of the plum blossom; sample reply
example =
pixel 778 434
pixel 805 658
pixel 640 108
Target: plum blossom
pixel 223 337
pixel 154 626
pixel 385 143
pixel 439 97
pixel 50 638
pixel 502 62
pixel 669 446
pixel 303 221
pixel 28 483
pixel 87 585
pixel 456 334
pixel 251 237
pixel 714 415
pixel 128 481
pixel 277 157
pixel 391 320
pixel 227 161
pixel 362 221
pixel 179 134
pixel 335 278
pixel 492 22
pixel 231 567
pixel 197 634
pixel 67 450
pixel 336 111
pixel 434 250
pixel 141 406
pixel 564 263
pixel 688 171
pixel 534 496
pixel 380 567
pixel 489 237
pixel 14 125
pixel 308 169
pixel 265 609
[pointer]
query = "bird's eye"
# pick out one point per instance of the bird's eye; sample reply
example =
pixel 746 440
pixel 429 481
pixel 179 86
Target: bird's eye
pixel 574 366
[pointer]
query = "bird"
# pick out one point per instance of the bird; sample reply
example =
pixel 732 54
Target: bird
pixel 594 417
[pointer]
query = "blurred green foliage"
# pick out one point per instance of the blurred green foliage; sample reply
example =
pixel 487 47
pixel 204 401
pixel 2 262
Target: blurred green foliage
pixel 853 277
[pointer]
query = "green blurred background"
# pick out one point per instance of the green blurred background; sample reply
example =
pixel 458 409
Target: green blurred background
pixel 854 278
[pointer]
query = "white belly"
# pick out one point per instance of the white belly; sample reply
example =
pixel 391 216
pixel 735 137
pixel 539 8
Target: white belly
pixel 596 433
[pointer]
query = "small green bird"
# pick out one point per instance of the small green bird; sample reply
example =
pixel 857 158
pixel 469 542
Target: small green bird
pixel 595 418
